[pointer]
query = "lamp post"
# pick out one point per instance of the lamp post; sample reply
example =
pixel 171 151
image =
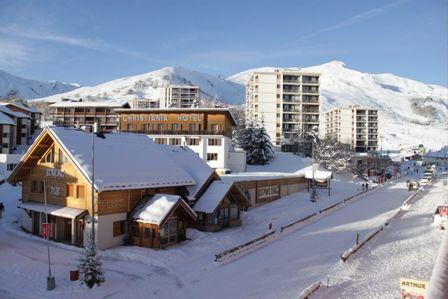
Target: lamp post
pixel 51 282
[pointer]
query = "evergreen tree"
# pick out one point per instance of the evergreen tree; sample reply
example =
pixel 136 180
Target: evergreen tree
pixel 196 103
pixel 90 266
pixel 257 144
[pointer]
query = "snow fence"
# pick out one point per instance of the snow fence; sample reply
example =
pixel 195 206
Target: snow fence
pixel 244 248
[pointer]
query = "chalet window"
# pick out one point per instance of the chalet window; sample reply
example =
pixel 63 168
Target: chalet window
pixel 10 166
pixel 5 145
pixel 212 156
pixel 214 127
pixel 23 134
pixel 146 127
pixel 194 127
pixel 81 191
pixel 168 232
pixel 175 141
pixel 70 190
pixel 49 158
pixel 119 228
pixel 147 233
pixel 160 140
pixel 162 127
pixel 176 127
pixel 23 126
pixel 5 135
pixel 192 141
pixel 37 186
pixel 214 142
pixel 62 157
pixel 233 212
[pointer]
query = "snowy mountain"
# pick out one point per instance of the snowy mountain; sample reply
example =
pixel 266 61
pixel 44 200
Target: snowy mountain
pixel 15 87
pixel 411 112
pixel 145 87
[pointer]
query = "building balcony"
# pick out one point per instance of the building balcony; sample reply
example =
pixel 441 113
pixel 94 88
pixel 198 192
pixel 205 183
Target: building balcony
pixel 309 90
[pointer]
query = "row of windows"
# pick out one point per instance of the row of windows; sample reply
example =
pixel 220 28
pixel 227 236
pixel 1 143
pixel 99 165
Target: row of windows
pixel 173 127
pixel 75 191
pixel 188 141
pixel 10 166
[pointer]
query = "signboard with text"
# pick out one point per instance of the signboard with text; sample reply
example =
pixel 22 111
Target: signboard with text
pixel 413 289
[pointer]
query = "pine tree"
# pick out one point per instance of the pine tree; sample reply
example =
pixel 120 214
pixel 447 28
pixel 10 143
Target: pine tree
pixel 257 144
pixel 90 266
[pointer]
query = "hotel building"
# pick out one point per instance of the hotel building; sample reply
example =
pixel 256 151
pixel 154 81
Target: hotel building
pixel 286 100
pixel 78 113
pixel 178 96
pixel 354 125
pixel 207 131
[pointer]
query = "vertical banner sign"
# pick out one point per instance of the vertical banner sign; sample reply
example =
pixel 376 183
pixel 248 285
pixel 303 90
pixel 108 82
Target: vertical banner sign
pixel 47 230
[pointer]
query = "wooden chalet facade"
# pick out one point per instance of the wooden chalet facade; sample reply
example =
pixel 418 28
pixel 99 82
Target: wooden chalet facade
pixel 51 165
pixel 220 207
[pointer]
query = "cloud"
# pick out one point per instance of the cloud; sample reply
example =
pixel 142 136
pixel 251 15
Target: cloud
pixel 356 19
pixel 86 43
pixel 12 54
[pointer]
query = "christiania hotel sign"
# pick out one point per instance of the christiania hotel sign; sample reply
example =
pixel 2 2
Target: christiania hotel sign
pixel 159 117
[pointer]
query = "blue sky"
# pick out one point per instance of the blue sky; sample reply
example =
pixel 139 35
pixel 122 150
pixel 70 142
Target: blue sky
pixel 89 42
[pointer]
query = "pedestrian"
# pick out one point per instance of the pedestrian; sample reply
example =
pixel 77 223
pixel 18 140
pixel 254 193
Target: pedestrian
pixel 363 187
pixel 2 209
pixel 270 226
pixel 367 186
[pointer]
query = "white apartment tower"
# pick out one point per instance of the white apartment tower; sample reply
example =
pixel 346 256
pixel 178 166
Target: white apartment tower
pixel 286 100
pixel 178 96
pixel 354 125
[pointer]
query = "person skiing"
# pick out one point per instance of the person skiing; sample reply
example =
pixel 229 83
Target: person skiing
pixel 2 209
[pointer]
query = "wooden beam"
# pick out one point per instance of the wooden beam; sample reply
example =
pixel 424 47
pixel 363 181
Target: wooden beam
pixel 34 157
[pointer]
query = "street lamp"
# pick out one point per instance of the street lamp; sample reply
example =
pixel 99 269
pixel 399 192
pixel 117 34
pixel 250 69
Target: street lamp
pixel 96 130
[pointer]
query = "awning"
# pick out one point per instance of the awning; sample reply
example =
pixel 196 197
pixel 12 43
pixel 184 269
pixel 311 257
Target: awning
pixel 54 210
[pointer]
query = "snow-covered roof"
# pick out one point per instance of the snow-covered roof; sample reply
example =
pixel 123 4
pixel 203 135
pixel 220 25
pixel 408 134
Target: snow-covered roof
pixel 22 106
pixel 54 210
pixel 9 111
pixel 210 200
pixel 251 176
pixel 6 120
pixel 318 174
pixel 111 104
pixel 196 167
pixel 157 208
pixel 442 153
pixel 122 160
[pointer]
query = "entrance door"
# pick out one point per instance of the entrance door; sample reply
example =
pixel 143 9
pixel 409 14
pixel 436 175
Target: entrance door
pixel 67 230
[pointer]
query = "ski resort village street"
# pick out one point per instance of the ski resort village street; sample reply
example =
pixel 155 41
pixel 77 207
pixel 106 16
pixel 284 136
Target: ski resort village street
pixel 283 267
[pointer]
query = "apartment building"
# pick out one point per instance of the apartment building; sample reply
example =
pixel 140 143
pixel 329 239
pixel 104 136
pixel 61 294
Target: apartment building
pixel 143 104
pixel 286 100
pixel 78 113
pixel 354 125
pixel 34 114
pixel 178 96
pixel 17 134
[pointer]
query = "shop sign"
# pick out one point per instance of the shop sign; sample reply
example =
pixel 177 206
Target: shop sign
pixel 411 288
pixel 269 191
pixel 55 173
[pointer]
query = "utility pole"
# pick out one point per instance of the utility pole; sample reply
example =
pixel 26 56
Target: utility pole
pixel 51 282
pixel 95 130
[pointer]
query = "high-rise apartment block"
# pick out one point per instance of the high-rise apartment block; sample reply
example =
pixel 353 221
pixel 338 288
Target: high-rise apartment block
pixel 354 125
pixel 287 101
pixel 178 96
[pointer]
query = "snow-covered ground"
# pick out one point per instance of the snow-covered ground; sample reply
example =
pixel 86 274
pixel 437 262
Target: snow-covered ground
pixel 281 269
pixel 405 249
